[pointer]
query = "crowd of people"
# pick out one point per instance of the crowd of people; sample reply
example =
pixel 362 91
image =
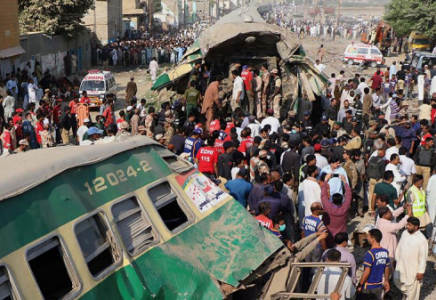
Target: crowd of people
pixel 303 179
pixel 329 29
pixel 137 49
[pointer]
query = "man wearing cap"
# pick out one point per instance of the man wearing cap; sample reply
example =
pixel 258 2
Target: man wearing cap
pixel 307 123
pixel 23 145
pixel 131 90
pixel 193 143
pixel 93 135
pixel 321 127
pixel 276 204
pixel 276 97
pixel 82 130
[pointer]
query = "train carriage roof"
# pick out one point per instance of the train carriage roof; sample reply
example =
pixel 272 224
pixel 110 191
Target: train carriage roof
pixel 22 172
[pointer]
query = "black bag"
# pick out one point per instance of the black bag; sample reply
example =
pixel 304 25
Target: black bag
pixel 373 169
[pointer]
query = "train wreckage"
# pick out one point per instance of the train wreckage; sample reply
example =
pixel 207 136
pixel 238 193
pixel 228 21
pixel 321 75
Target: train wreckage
pixel 244 36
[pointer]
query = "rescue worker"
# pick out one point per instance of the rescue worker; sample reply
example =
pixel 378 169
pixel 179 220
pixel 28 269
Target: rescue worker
pixel 416 196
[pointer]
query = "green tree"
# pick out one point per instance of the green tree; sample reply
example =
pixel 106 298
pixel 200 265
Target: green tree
pixel 54 16
pixel 405 16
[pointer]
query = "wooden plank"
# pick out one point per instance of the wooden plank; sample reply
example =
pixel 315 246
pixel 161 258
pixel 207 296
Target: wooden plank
pixel 306 86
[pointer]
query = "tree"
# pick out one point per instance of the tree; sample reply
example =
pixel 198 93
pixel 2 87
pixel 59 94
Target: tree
pixel 405 16
pixel 54 16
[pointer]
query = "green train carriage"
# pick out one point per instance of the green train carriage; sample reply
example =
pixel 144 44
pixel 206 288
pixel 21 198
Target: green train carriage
pixel 127 220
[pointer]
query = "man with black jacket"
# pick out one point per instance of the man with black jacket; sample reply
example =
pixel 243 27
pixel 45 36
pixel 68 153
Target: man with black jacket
pixel 65 125
pixel 425 160
pixel 291 162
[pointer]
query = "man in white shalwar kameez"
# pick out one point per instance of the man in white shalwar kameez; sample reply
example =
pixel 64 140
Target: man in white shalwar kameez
pixel 431 197
pixel 153 69
pixel 411 256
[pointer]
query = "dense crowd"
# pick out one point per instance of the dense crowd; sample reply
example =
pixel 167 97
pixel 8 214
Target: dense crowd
pixel 136 49
pixel 303 179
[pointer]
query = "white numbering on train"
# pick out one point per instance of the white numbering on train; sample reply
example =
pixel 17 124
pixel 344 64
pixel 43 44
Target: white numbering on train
pixel 101 183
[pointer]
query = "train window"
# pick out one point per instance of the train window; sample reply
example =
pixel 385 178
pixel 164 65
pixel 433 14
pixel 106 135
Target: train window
pixel 7 290
pixel 170 207
pixel 176 163
pixel 98 245
pixel 134 226
pixel 53 270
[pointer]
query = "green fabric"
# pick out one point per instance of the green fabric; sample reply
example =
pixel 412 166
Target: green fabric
pixel 192 95
pixel 387 189
pixel 191 108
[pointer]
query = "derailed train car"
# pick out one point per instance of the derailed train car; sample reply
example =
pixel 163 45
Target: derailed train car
pixel 244 36
pixel 127 220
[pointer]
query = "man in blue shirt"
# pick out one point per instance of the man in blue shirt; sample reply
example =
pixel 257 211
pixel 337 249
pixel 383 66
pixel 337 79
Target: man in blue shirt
pixel 193 143
pixel 239 188
pixel 313 224
pixel 376 262
pixel 408 134
pixel 276 204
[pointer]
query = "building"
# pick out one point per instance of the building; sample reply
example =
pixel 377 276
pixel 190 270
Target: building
pixel 105 20
pixel 10 49
pixel 134 13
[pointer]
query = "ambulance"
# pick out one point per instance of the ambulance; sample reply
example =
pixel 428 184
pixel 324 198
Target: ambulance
pixel 357 53
pixel 98 84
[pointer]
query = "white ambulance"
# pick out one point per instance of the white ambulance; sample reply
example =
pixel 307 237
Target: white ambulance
pixel 98 84
pixel 357 53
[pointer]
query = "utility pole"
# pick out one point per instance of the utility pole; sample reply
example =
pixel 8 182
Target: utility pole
pixel 150 15
pixel 339 11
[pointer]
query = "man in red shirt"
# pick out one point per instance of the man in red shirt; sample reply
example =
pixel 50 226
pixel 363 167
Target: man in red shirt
pixel 207 159
pixel 264 211
pixel 17 117
pixel 229 125
pixel 247 141
pixel 7 138
pixel 425 133
pixel 218 144
pixel 85 98
pixel 377 80
pixel 57 112
pixel 214 125
pixel 247 77
pixel 108 113
pixel 73 106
